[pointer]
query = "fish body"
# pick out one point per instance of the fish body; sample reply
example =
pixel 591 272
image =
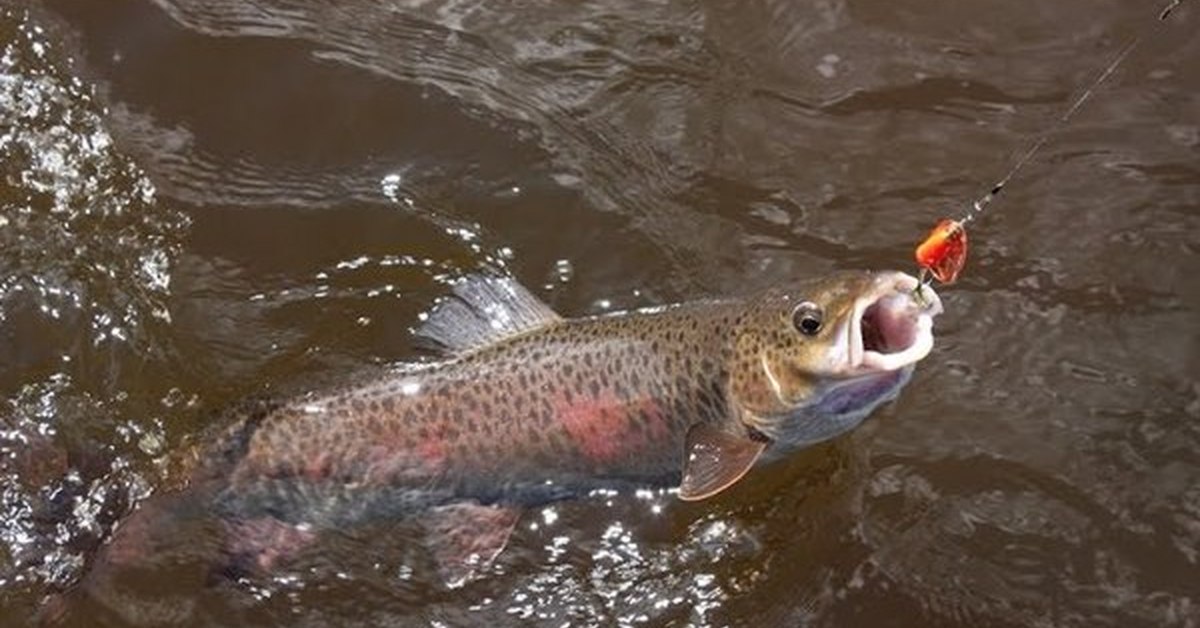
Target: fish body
pixel 575 405
pixel 525 407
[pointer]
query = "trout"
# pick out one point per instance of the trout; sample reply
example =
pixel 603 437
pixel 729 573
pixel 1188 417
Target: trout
pixel 524 407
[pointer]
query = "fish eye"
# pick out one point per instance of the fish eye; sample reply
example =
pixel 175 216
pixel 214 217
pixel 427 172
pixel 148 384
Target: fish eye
pixel 807 318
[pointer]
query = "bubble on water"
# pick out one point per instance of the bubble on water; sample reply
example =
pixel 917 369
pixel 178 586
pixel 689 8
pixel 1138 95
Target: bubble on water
pixel 828 65
pixel 463 233
pixel 390 186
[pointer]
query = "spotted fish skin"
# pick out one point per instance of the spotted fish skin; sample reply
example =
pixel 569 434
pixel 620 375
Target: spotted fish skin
pixel 571 406
pixel 548 407
pixel 526 407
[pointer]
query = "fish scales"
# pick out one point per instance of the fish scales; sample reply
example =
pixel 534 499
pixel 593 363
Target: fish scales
pixel 525 407
pixel 585 404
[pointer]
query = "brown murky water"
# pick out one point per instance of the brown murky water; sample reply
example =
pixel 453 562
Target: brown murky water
pixel 202 199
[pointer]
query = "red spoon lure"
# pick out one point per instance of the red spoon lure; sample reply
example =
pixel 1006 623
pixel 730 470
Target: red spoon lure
pixel 944 251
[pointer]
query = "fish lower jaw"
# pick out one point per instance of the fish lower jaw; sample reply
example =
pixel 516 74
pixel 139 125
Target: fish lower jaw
pixel 920 347
pixel 891 328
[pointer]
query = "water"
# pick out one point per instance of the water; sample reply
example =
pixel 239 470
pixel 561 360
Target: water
pixel 207 198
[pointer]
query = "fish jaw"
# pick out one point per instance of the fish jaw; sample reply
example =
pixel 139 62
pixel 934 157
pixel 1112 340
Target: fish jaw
pixel 887 329
pixel 890 328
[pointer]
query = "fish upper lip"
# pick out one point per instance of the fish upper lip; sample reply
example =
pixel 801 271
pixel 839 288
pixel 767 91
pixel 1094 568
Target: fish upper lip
pixel 894 317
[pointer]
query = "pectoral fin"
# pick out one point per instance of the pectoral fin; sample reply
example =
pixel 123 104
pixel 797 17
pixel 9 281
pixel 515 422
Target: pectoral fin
pixel 466 537
pixel 714 460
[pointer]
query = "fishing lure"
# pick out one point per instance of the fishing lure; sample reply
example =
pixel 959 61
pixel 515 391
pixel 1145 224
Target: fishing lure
pixel 943 253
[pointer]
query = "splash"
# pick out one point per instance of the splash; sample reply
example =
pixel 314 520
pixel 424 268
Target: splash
pixel 83 238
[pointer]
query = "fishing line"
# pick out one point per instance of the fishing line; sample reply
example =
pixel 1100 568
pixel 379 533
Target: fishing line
pixel 982 202
pixel 943 253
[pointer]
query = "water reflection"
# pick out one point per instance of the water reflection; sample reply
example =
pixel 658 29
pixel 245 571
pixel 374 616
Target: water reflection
pixel 86 251
pixel 208 198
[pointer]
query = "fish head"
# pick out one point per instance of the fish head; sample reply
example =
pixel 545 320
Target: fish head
pixel 811 361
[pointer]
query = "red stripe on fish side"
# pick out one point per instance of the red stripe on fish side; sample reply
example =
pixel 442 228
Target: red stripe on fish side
pixel 433 452
pixel 319 467
pixel 396 455
pixel 655 420
pixel 604 429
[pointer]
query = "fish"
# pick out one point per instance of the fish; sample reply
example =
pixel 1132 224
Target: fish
pixel 521 407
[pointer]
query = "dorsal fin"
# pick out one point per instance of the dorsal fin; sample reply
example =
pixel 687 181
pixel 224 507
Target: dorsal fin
pixel 481 310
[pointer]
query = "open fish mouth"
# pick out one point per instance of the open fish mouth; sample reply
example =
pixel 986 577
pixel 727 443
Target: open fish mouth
pixel 891 326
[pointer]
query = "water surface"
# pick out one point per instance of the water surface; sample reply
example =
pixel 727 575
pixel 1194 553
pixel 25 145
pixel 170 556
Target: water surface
pixel 203 199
